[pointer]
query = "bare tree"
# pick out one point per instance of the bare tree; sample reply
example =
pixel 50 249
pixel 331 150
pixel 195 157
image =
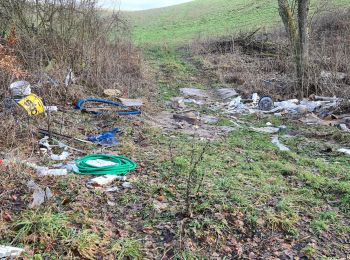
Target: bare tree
pixel 294 14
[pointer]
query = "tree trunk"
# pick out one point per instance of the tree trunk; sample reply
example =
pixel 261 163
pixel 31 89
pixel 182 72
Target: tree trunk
pixel 288 19
pixel 297 29
pixel 303 10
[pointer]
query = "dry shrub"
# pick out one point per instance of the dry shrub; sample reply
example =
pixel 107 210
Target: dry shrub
pixel 261 61
pixel 250 62
pixel 233 77
pixel 330 52
pixel 55 36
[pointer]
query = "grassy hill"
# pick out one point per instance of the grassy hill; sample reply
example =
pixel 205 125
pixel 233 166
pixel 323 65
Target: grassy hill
pixel 206 17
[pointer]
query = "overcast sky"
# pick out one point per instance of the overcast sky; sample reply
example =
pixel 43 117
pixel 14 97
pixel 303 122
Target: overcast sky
pixel 138 4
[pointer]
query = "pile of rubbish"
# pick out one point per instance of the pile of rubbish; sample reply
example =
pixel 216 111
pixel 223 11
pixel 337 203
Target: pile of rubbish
pixel 316 110
pixel 325 108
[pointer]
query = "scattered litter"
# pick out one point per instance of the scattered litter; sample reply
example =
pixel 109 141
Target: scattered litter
pixel 111 203
pixel 131 102
pixel 51 108
pixel 111 108
pixel 9 252
pixel 112 92
pixel 111 165
pixel 266 103
pixel 266 130
pixel 43 151
pixel 236 102
pixel 100 163
pixel 32 104
pixel 331 120
pixel 189 117
pixel 194 92
pixel 269 124
pixel 71 167
pixel 48 193
pixel 311 119
pixel 60 157
pixel 311 105
pixel 274 110
pixel 111 189
pixel 44 142
pixel 344 150
pixel 46 171
pixel 295 107
pixel 333 75
pixel 290 105
pixel 39 195
pixel 180 102
pixel 127 185
pixel 106 138
pixel 70 78
pixel 20 89
pixel 41 170
pixel 255 98
pixel 51 133
pixel 280 146
pixel 344 127
pixel 104 180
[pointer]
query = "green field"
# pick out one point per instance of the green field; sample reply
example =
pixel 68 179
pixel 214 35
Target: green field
pixel 184 22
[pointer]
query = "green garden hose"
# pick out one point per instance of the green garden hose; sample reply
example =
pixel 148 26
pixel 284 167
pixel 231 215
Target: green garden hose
pixel 121 166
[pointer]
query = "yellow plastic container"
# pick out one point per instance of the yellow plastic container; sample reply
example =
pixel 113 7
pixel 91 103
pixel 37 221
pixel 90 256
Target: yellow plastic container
pixel 33 104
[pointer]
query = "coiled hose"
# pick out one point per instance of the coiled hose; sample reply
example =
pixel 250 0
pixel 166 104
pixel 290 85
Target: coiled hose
pixel 122 165
pixel 80 105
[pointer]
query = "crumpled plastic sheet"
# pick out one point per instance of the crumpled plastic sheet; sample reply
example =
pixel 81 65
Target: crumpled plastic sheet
pixel 40 195
pixel 280 146
pixel 9 252
pixel 56 157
